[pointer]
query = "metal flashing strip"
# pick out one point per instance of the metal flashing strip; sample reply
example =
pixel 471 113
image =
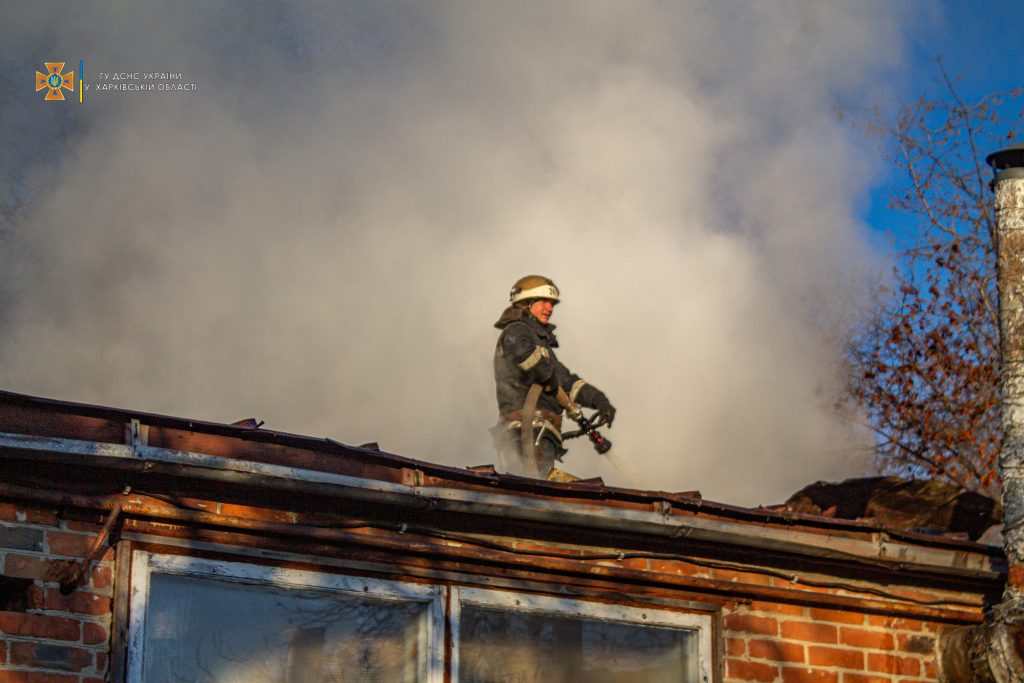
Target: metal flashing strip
pixel 879 550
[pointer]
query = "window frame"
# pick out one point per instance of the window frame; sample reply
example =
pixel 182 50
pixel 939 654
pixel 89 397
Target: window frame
pixel 700 622
pixel 145 564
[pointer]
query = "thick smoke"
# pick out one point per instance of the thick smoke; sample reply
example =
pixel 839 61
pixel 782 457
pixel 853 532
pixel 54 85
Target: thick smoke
pixel 323 234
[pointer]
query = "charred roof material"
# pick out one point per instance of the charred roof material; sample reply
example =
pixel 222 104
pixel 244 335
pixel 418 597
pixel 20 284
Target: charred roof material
pixel 925 506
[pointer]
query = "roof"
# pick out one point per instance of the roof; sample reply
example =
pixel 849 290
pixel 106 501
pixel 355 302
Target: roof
pixel 119 445
pixel 80 456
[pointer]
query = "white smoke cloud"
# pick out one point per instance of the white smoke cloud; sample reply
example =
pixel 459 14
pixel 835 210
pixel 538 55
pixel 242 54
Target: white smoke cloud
pixel 323 235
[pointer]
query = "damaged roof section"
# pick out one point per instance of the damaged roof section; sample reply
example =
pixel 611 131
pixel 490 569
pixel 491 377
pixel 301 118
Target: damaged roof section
pixel 924 506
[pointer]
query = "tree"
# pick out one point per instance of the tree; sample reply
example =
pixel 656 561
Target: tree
pixel 924 365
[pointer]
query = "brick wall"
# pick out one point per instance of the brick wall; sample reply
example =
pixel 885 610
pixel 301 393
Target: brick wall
pixel 56 638
pixel 59 639
pixel 771 643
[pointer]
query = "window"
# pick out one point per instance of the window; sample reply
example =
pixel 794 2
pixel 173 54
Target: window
pixel 200 620
pixel 538 639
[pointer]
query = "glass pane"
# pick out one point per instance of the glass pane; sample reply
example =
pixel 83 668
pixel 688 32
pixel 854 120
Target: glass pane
pixel 205 631
pixel 525 647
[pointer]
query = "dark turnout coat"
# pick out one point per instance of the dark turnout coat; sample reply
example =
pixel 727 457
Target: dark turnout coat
pixel 525 356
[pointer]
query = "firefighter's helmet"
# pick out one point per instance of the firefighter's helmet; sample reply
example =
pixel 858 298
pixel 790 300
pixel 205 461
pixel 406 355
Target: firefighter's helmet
pixel 533 287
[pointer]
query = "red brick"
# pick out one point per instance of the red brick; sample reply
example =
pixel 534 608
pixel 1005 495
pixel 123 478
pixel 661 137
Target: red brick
pixel 69 544
pixel 777 650
pixel 101 576
pixel 816 633
pixel 861 678
pixel 3 653
pixel 50 656
pixel 833 656
pixel 907 625
pixel 894 623
pixel 856 637
pixel 29 515
pixel 776 608
pixel 891 664
pixel 31 567
pixel 735 647
pixel 740 577
pixel 93 634
pixel 750 671
pixel 101 662
pixel 794 675
pixel 747 623
pixel 838 616
pixel 39 626
pixel 37 677
pixel 26 567
pixel 80 602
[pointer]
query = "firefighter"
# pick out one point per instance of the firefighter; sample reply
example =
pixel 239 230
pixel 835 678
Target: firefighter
pixel 528 378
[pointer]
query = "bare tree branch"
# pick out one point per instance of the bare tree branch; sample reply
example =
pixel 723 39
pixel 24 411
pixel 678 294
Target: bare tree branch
pixel 924 366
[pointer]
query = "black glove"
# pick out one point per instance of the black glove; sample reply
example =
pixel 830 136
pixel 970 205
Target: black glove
pixel 605 408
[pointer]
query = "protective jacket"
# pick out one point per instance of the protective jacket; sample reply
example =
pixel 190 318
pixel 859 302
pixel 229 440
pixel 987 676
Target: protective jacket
pixel 525 356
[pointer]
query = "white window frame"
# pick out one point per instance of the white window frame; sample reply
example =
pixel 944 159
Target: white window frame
pixel 639 616
pixel 145 564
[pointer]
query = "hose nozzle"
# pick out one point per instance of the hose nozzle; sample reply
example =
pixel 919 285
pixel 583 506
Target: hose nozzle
pixel 574 411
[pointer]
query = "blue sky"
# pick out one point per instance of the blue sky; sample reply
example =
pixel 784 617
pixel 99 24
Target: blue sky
pixel 979 44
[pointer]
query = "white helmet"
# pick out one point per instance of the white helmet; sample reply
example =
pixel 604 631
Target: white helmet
pixel 533 287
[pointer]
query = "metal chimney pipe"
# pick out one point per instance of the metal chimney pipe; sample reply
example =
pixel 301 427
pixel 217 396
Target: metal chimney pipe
pixel 1008 185
pixel 993 652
